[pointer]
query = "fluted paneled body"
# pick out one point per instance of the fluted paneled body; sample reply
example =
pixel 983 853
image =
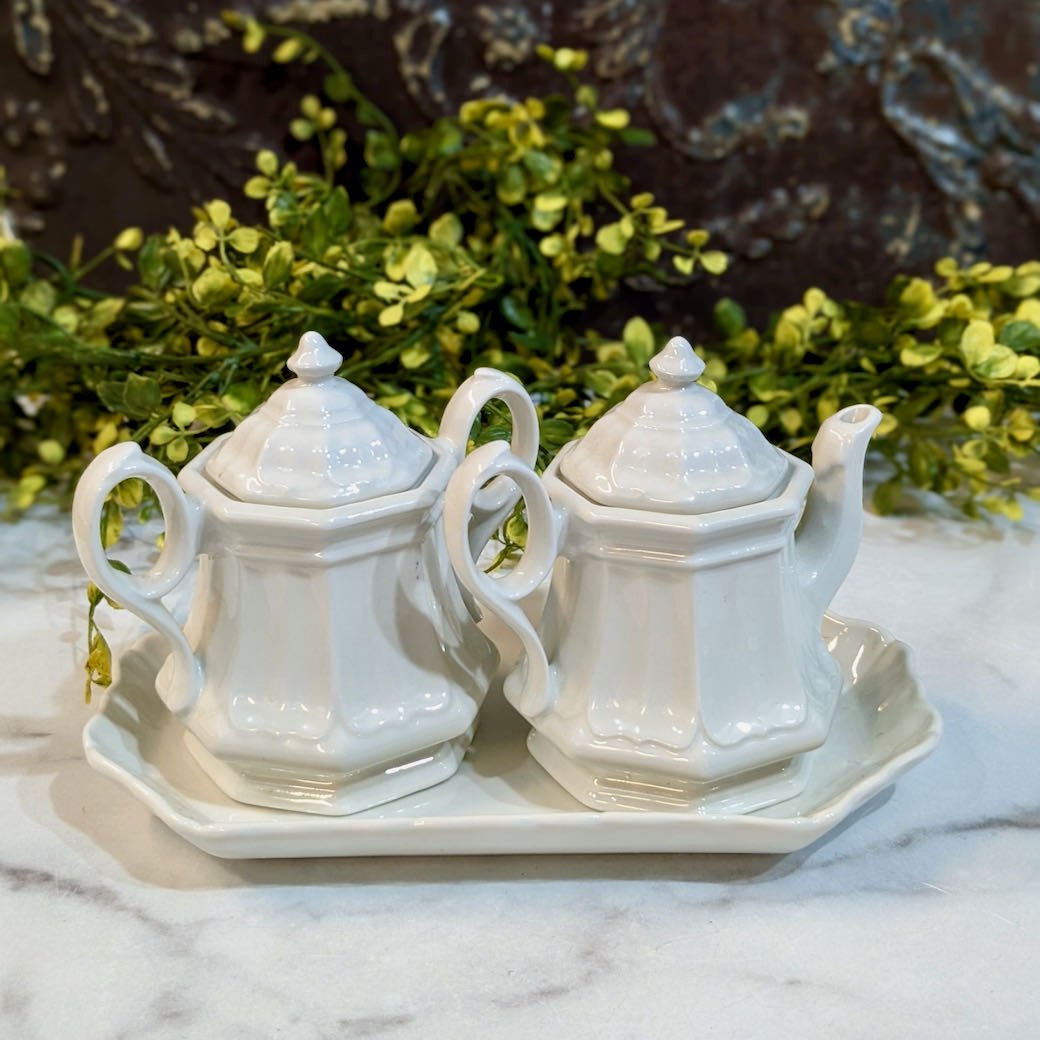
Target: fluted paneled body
pixel 678 662
pixel 678 647
pixel 381 670
pixel 329 662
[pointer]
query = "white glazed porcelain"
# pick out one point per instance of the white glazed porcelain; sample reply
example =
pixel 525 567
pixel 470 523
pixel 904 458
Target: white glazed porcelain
pixel 329 662
pixel 500 801
pixel 678 663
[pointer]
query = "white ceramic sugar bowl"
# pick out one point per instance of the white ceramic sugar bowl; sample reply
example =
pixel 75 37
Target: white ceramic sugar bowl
pixel 679 662
pixel 329 662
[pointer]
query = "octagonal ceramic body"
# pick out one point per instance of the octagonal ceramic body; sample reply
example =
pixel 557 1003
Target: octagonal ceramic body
pixel 682 655
pixel 678 662
pixel 329 662
pixel 340 667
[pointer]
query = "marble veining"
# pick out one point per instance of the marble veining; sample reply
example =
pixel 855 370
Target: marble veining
pixel 920 916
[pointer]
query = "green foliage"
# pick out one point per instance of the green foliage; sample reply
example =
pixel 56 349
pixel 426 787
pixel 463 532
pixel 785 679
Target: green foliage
pixel 486 238
pixel 952 366
pixel 482 239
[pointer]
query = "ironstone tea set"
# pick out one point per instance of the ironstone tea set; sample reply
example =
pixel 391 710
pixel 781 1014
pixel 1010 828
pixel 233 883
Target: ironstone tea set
pixel 342 634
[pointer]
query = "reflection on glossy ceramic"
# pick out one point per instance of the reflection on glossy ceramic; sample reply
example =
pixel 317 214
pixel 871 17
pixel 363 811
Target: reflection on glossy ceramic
pixel 678 663
pixel 500 801
pixel 329 662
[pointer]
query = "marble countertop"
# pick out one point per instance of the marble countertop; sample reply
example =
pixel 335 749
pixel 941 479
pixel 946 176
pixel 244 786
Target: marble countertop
pixel 918 917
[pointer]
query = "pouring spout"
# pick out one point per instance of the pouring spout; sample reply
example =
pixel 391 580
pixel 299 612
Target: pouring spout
pixel 832 525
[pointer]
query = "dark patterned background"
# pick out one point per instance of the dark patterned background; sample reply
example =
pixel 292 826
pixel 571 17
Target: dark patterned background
pixel 823 141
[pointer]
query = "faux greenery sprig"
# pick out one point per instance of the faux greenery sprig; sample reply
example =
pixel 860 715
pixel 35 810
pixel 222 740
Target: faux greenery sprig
pixel 482 239
pixel 954 368
pixel 488 237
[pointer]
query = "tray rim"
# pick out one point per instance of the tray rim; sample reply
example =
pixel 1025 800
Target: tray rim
pixel 577 831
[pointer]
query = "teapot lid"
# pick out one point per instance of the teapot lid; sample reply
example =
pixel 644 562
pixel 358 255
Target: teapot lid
pixel 319 441
pixel 673 446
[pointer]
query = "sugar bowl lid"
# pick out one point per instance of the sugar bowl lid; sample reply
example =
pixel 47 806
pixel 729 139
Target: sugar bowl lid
pixel 318 441
pixel 673 446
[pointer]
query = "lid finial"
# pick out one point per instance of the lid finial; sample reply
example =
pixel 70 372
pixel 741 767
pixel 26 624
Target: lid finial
pixel 673 446
pixel 677 365
pixel 314 359
pixel 318 441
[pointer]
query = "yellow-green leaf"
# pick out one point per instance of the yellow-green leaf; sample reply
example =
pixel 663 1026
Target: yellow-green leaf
pixel 978 417
pixel 550 201
pixel 219 213
pixel 253 37
pixel 714 261
pixel 161 435
pixel 567 59
pixel 467 322
pixel 512 186
pixel 914 354
pixel 446 230
pixel 391 292
pixel 288 50
pixel 638 338
pixel 415 356
pixel 129 239
pixel 183 414
pixel 177 450
pixel 1000 363
pixel 997 274
pixel 889 424
pixel 99 663
pixel 758 414
pixel 50 451
pixel 977 342
pixel 1027 367
pixel 420 268
pixel 1029 310
pixel 267 162
pixel 391 315
pixel 205 237
pixel 212 286
pixel 791 420
pixel 1021 424
pixel 613 118
pixel 400 216
pixel 546 219
pixel 552 245
pixel 277 264
pixel 257 188
pixel 67 317
pixel 420 292
pixel 813 300
pixel 245 239
pixel 610 239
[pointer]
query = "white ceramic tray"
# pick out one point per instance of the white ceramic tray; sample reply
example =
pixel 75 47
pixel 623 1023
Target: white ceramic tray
pixel 501 801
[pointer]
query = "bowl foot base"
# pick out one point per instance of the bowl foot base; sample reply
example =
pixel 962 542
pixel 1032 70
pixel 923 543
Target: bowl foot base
pixel 627 789
pixel 331 793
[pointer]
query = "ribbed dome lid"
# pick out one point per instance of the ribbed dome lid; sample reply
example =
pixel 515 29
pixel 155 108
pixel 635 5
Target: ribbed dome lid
pixel 673 446
pixel 319 441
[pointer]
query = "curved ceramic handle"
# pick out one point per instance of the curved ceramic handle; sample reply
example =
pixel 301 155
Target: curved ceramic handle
pixel 143 594
pixel 501 596
pixel 492 504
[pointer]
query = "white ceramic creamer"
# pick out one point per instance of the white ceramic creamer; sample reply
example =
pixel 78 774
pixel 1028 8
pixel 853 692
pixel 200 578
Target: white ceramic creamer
pixel 678 662
pixel 329 662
